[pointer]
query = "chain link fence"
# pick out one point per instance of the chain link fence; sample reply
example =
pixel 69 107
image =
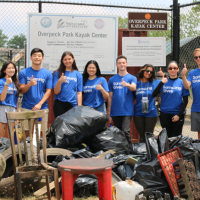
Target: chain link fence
pixel 13 30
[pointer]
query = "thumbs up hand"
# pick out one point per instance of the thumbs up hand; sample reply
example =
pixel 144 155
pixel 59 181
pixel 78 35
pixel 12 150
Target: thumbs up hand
pixel 8 80
pixel 164 80
pixel 125 84
pixel 62 78
pixel 33 81
pixel 160 73
pixel 99 87
pixel 184 71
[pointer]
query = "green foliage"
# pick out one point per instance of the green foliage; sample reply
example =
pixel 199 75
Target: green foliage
pixel 189 24
pixel 17 41
pixel 122 22
pixel 3 39
pixel 166 34
pixel 197 7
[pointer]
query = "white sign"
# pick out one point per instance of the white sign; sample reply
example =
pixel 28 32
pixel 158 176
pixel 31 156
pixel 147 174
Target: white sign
pixel 88 37
pixel 144 50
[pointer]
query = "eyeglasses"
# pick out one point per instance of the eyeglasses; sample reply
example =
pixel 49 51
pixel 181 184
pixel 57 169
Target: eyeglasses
pixel 196 57
pixel 174 68
pixel 149 71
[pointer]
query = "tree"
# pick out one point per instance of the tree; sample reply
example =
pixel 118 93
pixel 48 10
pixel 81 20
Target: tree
pixel 189 24
pixel 122 22
pixel 166 34
pixel 3 39
pixel 17 41
pixel 197 7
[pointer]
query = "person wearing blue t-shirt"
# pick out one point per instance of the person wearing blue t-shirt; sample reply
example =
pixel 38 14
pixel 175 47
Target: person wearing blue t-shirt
pixel 145 111
pixel 36 85
pixel 194 81
pixel 174 99
pixel 67 84
pixel 95 87
pixel 9 92
pixel 120 101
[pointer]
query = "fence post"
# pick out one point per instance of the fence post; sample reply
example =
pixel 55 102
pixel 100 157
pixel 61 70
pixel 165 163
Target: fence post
pixel 40 6
pixel 11 55
pixel 176 31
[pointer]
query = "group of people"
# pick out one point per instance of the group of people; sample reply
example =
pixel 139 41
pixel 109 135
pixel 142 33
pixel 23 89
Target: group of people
pixel 126 97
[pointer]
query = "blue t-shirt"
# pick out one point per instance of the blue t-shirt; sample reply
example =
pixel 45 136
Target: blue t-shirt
pixel 11 98
pixel 35 93
pixel 172 96
pixel 122 100
pixel 194 78
pixel 145 90
pixel 93 97
pixel 70 87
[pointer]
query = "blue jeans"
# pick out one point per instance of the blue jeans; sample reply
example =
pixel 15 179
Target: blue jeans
pixel 101 108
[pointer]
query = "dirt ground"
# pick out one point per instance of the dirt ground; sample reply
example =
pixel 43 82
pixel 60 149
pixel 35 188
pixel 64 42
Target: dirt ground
pixel 30 197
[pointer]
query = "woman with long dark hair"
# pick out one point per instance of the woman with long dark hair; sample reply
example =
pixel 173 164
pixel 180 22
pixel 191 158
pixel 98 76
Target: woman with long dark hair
pixel 67 84
pixel 9 92
pixel 174 99
pixel 95 87
pixel 145 111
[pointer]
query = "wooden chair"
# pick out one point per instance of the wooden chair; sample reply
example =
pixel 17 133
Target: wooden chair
pixel 32 167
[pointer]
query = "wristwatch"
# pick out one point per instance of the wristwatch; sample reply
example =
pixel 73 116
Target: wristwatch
pixel 6 84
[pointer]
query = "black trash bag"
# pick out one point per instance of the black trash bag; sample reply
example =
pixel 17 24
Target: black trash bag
pixel 110 139
pixel 83 153
pixel 149 174
pixel 190 152
pixel 129 170
pixel 86 185
pixel 173 141
pixel 163 142
pixel 120 159
pixel 121 172
pixel 75 126
pixel 98 153
pixel 4 144
pixel 77 147
pixel 108 156
pixel 139 148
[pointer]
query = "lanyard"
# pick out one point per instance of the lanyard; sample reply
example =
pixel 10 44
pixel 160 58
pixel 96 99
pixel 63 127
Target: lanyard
pixel 147 89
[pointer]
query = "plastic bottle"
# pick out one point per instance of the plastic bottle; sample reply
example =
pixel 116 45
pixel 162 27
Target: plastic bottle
pixel 127 190
pixel 34 132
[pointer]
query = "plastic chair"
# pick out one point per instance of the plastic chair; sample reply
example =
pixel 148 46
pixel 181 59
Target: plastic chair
pixel 70 170
pixel 33 167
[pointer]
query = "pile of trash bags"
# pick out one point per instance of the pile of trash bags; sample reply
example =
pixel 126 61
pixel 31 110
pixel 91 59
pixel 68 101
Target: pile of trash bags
pixel 85 130
pixel 83 124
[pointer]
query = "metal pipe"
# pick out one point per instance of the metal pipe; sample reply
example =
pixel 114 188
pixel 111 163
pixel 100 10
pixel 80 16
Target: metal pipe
pixel 176 30
pixel 40 6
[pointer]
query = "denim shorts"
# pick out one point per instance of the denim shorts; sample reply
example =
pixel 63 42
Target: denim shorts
pixel 101 108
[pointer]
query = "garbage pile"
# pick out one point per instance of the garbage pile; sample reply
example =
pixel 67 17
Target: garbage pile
pixel 87 127
pixel 84 132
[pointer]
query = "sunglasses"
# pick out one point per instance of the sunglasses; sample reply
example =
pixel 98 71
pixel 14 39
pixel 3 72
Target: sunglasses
pixel 174 68
pixel 149 71
pixel 196 57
